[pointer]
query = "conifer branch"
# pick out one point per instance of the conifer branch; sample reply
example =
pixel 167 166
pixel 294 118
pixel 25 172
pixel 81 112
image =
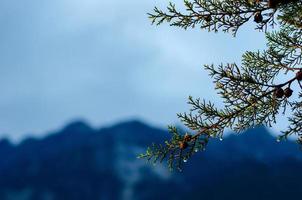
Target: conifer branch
pixel 214 15
pixel 250 92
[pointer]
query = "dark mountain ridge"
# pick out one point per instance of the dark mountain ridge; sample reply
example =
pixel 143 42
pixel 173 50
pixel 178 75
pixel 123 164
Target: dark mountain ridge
pixel 79 162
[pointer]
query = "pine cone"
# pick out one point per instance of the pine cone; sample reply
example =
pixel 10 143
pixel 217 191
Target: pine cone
pixel 187 138
pixel 279 92
pixel 273 3
pixel 258 17
pixel 299 75
pixel 183 145
pixel 207 18
pixel 288 92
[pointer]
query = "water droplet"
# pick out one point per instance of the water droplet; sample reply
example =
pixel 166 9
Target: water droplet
pixel 221 139
pixel 203 148
pixel 278 140
pixel 185 160
pixel 196 150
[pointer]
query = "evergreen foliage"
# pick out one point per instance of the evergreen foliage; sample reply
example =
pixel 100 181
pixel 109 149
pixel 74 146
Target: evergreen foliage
pixel 251 91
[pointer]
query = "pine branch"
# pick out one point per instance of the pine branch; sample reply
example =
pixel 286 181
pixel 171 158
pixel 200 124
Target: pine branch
pixel 250 92
pixel 214 15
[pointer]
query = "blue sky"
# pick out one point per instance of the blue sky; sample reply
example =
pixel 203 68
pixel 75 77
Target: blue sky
pixel 102 61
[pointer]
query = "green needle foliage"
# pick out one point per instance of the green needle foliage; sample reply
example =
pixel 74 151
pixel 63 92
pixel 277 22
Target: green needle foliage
pixel 251 93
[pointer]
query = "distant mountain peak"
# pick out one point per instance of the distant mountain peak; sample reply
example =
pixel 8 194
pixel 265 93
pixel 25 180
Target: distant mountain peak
pixel 75 164
pixel 78 126
pixel 133 121
pixel 131 124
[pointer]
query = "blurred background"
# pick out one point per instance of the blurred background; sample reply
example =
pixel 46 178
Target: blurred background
pixel 86 85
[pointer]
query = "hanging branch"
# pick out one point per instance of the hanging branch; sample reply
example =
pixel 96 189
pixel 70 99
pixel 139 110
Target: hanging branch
pixel 250 92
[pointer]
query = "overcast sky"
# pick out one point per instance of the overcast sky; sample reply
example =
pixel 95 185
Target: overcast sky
pixel 102 61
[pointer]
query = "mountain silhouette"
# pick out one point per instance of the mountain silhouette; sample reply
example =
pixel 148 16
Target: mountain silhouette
pixel 79 162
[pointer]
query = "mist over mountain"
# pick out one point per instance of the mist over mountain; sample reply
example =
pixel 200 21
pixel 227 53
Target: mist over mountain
pixel 79 162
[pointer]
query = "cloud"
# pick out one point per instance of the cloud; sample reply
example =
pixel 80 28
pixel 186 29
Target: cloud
pixel 103 61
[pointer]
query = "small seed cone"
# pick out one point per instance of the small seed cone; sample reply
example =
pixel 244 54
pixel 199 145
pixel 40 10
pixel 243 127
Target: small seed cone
pixel 183 145
pixel 187 138
pixel 273 3
pixel 279 92
pixel 288 92
pixel 299 75
pixel 258 17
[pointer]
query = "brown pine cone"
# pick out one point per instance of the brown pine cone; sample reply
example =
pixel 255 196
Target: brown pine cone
pixel 273 3
pixel 183 145
pixel 279 92
pixel 258 17
pixel 187 138
pixel 299 75
pixel 288 92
